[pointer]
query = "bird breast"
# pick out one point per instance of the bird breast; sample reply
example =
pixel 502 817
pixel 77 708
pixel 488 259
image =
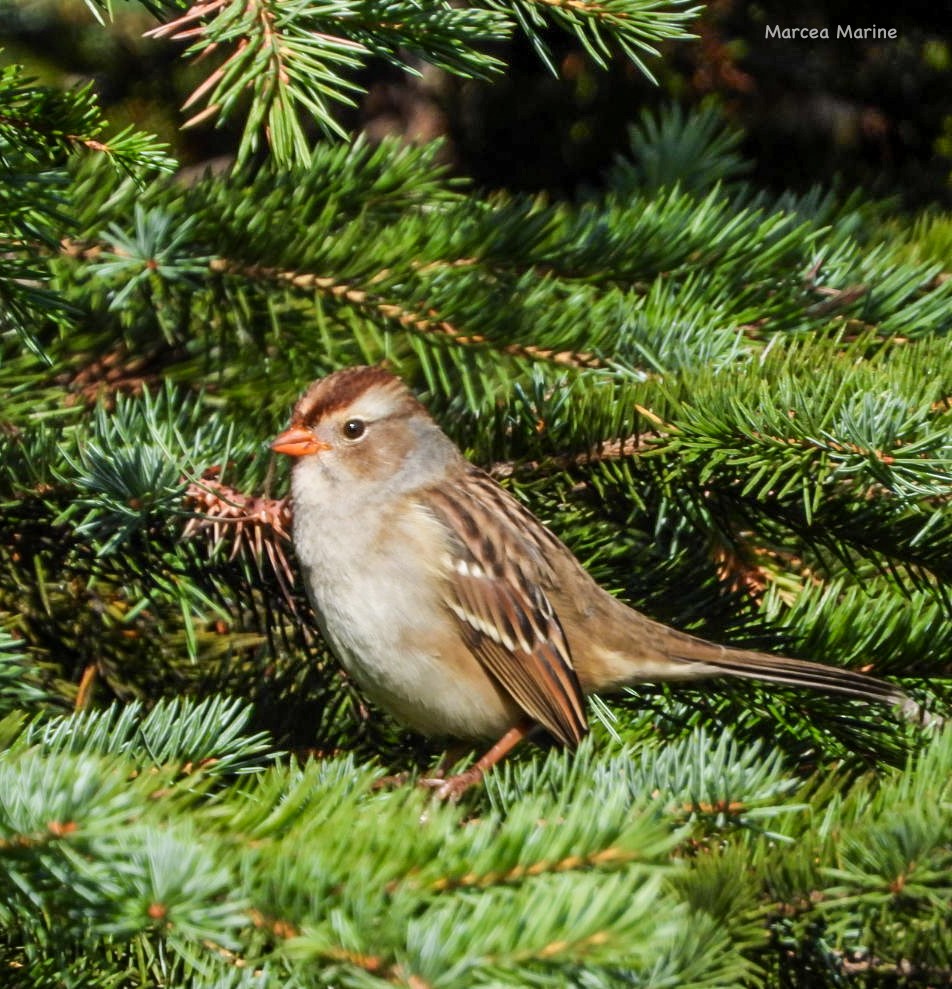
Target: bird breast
pixel 382 613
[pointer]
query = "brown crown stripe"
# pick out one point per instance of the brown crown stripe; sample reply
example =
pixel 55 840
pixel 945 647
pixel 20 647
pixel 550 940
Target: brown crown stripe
pixel 342 389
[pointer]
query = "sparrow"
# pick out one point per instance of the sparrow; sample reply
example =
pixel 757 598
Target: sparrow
pixel 451 605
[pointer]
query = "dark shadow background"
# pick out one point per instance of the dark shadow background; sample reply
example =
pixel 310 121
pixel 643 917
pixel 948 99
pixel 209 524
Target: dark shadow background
pixel 869 113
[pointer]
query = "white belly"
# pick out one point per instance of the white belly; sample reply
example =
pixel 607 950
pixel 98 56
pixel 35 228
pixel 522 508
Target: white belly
pixel 387 625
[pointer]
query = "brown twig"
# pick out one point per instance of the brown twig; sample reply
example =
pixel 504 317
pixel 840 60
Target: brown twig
pixel 86 683
pixel 117 371
pixel 619 449
pixel 171 29
pixel 571 863
pixel 284 930
pixel 836 447
pixel 258 526
pixel 428 323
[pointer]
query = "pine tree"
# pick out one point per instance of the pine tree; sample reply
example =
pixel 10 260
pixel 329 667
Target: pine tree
pixel 733 406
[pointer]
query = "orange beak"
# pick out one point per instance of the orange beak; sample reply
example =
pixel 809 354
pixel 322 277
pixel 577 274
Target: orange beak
pixel 297 441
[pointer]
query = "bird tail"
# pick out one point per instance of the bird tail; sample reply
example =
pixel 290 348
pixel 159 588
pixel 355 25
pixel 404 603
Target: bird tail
pixel 717 660
pixel 797 673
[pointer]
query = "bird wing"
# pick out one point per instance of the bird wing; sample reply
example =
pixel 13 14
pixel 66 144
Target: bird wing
pixel 495 583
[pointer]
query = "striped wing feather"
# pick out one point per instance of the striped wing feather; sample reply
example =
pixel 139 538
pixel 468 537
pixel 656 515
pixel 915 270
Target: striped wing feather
pixel 496 579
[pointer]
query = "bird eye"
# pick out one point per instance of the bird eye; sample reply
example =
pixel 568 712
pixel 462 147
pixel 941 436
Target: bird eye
pixel 354 429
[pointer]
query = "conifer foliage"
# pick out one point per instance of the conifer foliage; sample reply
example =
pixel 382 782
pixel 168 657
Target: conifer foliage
pixel 735 408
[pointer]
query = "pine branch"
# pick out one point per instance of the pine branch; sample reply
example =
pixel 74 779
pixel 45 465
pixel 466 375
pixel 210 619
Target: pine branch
pixel 297 63
pixel 296 60
pixel 635 26
pixel 750 441
pixel 41 128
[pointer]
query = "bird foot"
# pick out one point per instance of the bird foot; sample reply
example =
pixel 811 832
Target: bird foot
pixel 437 773
pixel 453 787
pixel 390 782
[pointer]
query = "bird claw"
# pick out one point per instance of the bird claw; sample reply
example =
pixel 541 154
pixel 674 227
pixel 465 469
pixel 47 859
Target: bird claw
pixel 453 787
pixel 390 782
pixel 431 782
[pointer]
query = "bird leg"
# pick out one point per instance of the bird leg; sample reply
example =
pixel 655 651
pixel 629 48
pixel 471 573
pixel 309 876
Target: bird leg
pixel 453 787
pixel 449 759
